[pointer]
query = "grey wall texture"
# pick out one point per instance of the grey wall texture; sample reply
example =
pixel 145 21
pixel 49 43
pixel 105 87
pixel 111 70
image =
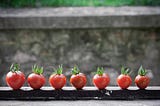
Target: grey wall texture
pixel 87 48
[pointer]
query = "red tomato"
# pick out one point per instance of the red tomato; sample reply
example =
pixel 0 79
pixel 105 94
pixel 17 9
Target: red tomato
pixel 141 80
pixel 101 80
pixel 57 81
pixel 15 78
pixel 124 80
pixel 78 81
pixel 36 80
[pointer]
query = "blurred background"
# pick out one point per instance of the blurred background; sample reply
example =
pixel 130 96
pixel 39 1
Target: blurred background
pixel 87 48
pixel 60 3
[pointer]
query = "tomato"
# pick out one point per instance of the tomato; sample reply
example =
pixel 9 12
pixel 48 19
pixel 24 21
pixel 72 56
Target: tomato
pixel 101 80
pixel 36 80
pixel 78 80
pixel 141 80
pixel 124 80
pixel 15 78
pixel 57 80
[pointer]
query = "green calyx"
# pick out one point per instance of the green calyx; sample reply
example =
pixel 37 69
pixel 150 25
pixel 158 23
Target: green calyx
pixel 124 70
pixel 75 70
pixel 59 70
pixel 100 71
pixel 37 70
pixel 142 71
pixel 15 67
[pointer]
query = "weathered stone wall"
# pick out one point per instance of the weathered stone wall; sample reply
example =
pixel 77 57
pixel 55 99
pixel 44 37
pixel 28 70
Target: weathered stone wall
pixel 87 48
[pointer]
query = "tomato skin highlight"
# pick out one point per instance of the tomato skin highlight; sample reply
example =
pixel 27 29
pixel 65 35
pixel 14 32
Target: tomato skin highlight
pixel 57 81
pixel 78 81
pixel 142 81
pixel 15 79
pixel 101 81
pixel 124 81
pixel 36 81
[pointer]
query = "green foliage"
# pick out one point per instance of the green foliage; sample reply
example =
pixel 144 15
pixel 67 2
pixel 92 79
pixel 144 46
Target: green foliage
pixel 142 71
pixel 17 3
pixel 75 70
pixel 15 67
pixel 57 3
pixel 100 71
pixel 36 69
pixel 59 70
pixel 124 70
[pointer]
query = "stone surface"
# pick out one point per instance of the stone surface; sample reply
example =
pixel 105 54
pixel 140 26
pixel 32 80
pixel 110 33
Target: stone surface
pixel 87 48
pixel 87 93
pixel 82 103
pixel 86 36
pixel 79 11
pixel 80 17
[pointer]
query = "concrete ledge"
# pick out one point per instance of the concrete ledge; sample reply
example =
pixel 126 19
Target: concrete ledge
pixel 88 93
pixel 80 17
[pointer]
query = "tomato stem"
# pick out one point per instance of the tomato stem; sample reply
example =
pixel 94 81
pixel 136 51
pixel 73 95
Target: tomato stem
pixel 59 70
pixel 142 71
pixel 36 69
pixel 75 70
pixel 15 67
pixel 124 70
pixel 100 71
